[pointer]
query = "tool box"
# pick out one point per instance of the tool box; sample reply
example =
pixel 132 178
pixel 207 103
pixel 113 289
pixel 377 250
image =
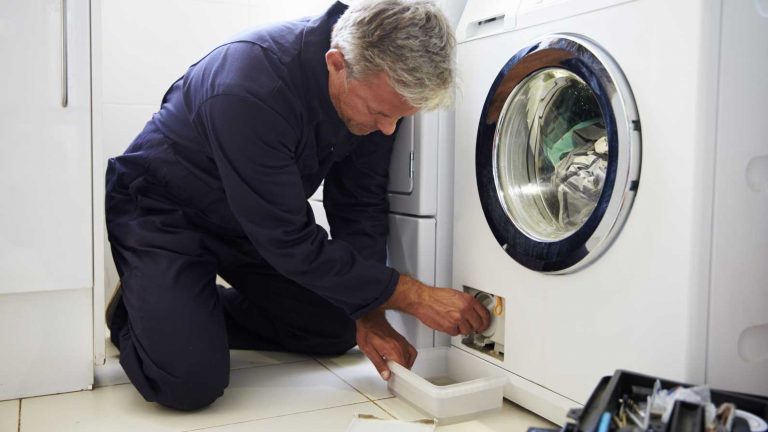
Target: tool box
pixel 620 403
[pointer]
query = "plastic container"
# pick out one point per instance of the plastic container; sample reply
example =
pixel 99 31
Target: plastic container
pixel 449 384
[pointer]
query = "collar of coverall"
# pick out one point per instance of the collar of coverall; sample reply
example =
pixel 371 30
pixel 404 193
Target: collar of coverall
pixel 315 44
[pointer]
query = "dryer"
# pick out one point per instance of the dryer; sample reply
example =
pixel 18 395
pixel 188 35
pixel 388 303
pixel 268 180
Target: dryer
pixel 611 167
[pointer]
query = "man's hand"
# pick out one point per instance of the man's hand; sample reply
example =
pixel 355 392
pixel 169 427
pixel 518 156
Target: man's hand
pixel 380 342
pixel 442 309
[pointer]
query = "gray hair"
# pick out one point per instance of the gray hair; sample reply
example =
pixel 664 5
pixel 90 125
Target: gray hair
pixel 410 40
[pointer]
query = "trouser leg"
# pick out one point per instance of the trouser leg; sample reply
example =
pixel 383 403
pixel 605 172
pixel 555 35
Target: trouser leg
pixel 173 345
pixel 273 310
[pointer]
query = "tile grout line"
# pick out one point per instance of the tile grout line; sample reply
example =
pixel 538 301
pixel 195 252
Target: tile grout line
pixel 364 395
pixel 271 364
pixel 385 409
pixel 368 400
pixel 351 385
pixel 18 419
pixel 278 416
pixel 252 366
pixel 342 379
pixel 249 366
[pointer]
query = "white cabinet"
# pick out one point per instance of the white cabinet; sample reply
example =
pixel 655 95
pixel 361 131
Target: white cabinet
pixel 46 259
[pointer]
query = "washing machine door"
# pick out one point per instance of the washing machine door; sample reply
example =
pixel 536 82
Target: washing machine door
pixel 558 154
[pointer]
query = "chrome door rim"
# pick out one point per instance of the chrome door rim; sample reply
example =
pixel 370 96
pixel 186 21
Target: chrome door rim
pixel 600 72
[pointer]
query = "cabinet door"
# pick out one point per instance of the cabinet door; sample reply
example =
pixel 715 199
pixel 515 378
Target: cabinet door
pixel 45 167
pixel 45 179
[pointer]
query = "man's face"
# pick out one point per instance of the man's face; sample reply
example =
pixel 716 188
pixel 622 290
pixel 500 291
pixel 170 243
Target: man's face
pixel 367 105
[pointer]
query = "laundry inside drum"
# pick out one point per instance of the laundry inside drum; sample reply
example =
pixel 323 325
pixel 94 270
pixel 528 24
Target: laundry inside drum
pixel 550 154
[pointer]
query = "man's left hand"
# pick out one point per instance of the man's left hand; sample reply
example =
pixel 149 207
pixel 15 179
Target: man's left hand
pixel 380 342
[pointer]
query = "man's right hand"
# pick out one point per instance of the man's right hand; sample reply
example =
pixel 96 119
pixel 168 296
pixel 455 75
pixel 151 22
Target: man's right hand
pixel 443 309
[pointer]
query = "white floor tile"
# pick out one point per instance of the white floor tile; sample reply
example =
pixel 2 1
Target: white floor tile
pixel 511 418
pixel 326 420
pixel 401 409
pixel 9 416
pixel 240 359
pixel 355 368
pixel 253 393
pixel 111 373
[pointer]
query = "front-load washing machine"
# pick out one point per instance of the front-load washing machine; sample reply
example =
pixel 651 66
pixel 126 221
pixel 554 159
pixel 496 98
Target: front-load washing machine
pixel 611 179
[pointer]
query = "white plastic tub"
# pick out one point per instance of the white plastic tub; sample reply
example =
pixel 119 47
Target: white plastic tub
pixel 448 384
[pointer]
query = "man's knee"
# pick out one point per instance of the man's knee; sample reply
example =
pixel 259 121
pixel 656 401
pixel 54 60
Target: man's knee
pixel 189 393
pixel 186 379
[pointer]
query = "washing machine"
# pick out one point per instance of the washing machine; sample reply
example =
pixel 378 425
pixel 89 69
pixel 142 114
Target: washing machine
pixel 611 190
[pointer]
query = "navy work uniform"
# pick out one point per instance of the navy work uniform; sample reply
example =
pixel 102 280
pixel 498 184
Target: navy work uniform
pixel 217 183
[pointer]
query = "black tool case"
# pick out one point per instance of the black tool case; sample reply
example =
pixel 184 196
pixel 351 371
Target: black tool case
pixel 686 417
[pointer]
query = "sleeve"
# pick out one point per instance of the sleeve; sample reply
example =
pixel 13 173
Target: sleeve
pixel 355 197
pixel 254 149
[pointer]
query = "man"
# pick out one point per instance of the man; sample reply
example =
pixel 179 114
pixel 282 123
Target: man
pixel 218 181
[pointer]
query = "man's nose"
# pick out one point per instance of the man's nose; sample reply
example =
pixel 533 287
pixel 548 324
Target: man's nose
pixel 387 127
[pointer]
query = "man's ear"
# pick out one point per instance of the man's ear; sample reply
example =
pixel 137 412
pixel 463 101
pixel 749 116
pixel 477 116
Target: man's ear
pixel 335 62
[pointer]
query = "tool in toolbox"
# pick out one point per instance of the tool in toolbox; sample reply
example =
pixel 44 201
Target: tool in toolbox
pixel 632 402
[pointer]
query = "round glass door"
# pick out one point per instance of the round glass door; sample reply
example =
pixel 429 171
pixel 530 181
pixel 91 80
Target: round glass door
pixel 550 154
pixel 557 154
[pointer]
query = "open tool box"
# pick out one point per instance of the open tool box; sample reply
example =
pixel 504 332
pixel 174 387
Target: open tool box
pixel 620 403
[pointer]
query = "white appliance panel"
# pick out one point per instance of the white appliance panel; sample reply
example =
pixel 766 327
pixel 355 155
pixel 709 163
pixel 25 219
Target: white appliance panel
pixel 412 246
pixel 320 217
pixel 412 252
pixel 401 163
pixel 413 171
pixel 639 306
pixel 486 18
pixel 533 12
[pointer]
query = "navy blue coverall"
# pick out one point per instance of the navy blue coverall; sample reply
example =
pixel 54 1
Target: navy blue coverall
pixel 217 183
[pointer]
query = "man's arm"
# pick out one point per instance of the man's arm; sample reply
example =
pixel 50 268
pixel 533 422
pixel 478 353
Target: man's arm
pixel 355 197
pixel 380 342
pixel 355 201
pixel 253 147
pixel 444 309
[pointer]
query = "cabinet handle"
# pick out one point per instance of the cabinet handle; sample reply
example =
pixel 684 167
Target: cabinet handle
pixel 64 59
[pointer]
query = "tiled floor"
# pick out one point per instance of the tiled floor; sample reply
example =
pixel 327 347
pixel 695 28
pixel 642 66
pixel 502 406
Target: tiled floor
pixel 9 416
pixel 267 392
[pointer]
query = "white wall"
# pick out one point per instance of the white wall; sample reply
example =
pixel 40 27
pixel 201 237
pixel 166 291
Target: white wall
pixel 148 44
pixel 141 47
